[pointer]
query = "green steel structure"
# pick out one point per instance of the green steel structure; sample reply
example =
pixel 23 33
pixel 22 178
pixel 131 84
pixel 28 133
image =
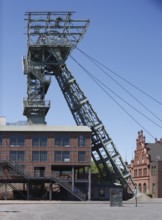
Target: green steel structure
pixel 51 37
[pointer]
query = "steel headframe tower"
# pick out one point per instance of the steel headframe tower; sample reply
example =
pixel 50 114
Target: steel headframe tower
pixel 51 38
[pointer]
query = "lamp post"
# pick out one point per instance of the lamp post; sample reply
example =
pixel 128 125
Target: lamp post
pixel 136 195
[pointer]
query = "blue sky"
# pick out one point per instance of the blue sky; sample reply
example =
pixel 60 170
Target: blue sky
pixel 124 35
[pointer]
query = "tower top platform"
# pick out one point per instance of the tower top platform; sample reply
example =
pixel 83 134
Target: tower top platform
pixel 54 28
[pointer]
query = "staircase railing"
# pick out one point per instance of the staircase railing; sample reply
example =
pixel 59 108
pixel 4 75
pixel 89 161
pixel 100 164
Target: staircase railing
pixel 13 166
pixel 60 180
pixel 66 184
pixel 15 189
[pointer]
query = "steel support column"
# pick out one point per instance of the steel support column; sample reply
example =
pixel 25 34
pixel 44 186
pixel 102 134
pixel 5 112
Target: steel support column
pixel 28 190
pixel 50 191
pixel 89 183
pixel 5 195
pixel 73 179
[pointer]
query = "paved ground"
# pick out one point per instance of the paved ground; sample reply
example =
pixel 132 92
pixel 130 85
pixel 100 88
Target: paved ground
pixel 147 209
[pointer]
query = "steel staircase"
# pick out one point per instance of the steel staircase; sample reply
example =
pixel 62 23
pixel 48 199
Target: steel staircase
pixel 13 167
pixel 14 189
pixel 68 186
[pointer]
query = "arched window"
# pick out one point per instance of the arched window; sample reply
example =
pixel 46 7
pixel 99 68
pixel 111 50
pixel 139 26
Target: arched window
pixel 140 187
pixel 144 187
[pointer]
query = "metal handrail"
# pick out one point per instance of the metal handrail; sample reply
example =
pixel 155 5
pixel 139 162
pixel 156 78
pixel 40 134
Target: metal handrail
pixel 63 182
pixel 67 184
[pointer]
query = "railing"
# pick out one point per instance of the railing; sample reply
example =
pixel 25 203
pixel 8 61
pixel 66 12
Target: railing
pixel 18 191
pixel 68 186
pixel 13 167
pixel 36 103
pixel 28 171
pixel 36 69
pixel 59 41
pixel 65 183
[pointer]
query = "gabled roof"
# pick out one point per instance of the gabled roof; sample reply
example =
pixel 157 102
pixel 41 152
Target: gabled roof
pixel 155 151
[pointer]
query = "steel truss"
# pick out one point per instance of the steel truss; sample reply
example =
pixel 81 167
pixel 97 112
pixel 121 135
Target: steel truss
pixel 51 38
pixel 104 153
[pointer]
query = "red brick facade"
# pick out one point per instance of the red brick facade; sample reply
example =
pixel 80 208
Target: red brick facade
pixel 146 170
pixel 45 162
pixel 50 154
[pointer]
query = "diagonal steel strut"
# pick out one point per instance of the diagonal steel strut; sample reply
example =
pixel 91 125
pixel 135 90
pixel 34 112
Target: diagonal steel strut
pixel 104 153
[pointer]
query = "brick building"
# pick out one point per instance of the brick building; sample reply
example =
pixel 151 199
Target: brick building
pixel 45 156
pixel 146 167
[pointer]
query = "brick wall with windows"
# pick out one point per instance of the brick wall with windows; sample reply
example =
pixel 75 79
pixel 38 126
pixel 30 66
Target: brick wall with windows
pixel 39 149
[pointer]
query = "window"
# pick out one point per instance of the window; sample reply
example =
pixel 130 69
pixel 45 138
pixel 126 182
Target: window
pixel 16 140
pixel 135 173
pixel 19 168
pixel 20 140
pixel 58 156
pixel 140 172
pixel 81 141
pixel 43 141
pixel 35 156
pixel 43 155
pixel 39 156
pixel 144 171
pixel 39 141
pixel 39 171
pixel 62 140
pixel 66 156
pixel 153 170
pixel 0 140
pixel 62 156
pixel 20 156
pixel 13 156
pixel 81 156
pixel 35 141
pixel 17 156
pixel 13 141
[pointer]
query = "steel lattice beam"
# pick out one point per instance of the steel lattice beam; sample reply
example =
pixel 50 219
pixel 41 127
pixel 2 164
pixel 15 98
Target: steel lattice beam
pixel 104 152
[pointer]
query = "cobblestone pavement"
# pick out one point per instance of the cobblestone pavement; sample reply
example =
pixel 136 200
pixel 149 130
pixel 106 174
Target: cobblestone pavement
pixel 49 210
